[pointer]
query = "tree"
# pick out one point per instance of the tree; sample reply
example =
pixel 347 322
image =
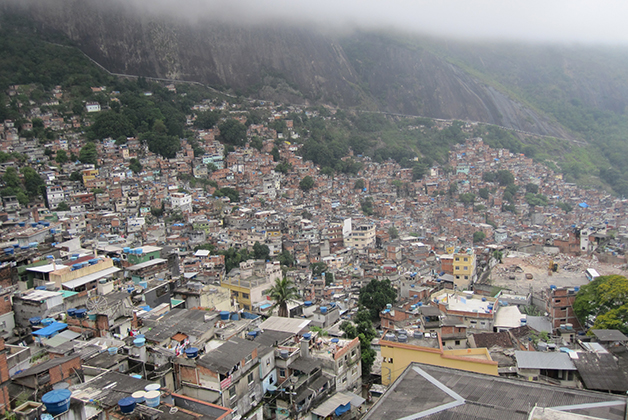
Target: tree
pixel 504 177
pixel 498 255
pixel 63 206
pixel 135 166
pixel 261 251
pixel 532 188
pixel 233 132
pixel 206 120
pixel 478 236
pixel 307 183
pixel 603 299
pixel 61 157
pixel 566 207
pixel 88 153
pixel 362 327
pixel 11 178
pixel 466 198
pixel 76 176
pixel 282 292
pixel 318 268
pixel 359 184
pixel 329 278
pixel 376 295
pixel 483 193
pixel 285 258
pixel 393 232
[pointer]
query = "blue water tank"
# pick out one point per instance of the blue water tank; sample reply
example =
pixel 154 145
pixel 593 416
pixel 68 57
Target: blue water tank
pixel 420 303
pixel 139 342
pixel 191 353
pixel 552 287
pixel 126 249
pixel 307 303
pixel 21 224
pixel 57 401
pixel 224 315
pixel 80 313
pixel 8 251
pixel 40 288
pixel 127 405
pixel 576 289
pixel 34 320
pixel 93 261
pixel 483 299
pixel 252 334
pixel 235 316
pixel 112 350
pixel 323 309
pixel 307 336
pixel 47 321
pixel 335 340
pixel 77 266
pixel 139 251
pixel 71 311
pixel 33 224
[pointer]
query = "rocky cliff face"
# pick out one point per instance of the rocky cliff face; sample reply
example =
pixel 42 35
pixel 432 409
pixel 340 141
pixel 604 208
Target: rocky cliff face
pixel 288 63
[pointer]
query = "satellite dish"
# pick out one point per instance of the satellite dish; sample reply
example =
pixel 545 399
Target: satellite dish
pixel 97 303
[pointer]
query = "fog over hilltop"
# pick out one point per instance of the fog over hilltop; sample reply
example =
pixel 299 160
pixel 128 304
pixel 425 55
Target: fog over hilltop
pixel 547 21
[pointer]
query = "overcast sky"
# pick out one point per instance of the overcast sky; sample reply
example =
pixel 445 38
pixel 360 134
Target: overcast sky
pixel 580 21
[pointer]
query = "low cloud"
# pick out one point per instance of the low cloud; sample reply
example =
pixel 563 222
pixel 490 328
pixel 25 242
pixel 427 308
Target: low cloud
pixel 560 21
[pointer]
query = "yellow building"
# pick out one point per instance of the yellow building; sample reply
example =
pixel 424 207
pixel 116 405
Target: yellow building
pixel 89 175
pixel 464 269
pixel 429 350
pixel 250 282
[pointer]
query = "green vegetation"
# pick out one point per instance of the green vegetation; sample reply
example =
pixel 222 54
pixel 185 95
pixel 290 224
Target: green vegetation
pixel 307 183
pixel 362 327
pixel 605 300
pixel 478 236
pixel 282 292
pixel 376 295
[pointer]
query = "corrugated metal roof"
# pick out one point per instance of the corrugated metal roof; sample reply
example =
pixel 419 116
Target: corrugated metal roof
pixel 543 360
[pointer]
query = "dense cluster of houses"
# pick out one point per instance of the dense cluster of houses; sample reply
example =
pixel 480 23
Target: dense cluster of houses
pixel 110 287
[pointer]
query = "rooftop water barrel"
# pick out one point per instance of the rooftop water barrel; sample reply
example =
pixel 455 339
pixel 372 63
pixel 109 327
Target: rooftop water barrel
pixel 152 387
pixel 139 396
pixel 389 305
pixel 21 224
pixel 127 405
pixel 415 296
pixel 323 309
pixel 335 340
pixel 92 317
pixel 93 261
pixel 152 398
pixel 80 313
pixel 576 289
pixel 33 224
pixel 112 350
pixel 40 288
pixel 139 251
pixel 420 303
pixel 139 342
pixel 57 401
pixel 418 334
pixel 8 251
pixel 144 284
pixel 77 266
pixel 71 311
pixel 76 255
pixel 252 334
pixel 483 299
pixel 35 320
pixel 523 321
pixel 402 338
pixel 284 354
pixel 224 315
pixel 126 249
pixel 235 316
pixel 307 303
pixel 53 231
pixel 191 353
pixel 542 346
pixel 47 321
pixel 307 336
pixel 390 337
pixel 552 287
pixel 73 258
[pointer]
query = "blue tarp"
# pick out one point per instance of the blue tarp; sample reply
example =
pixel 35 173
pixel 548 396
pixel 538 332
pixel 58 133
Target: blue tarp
pixel 583 205
pixel 51 329
pixel 342 409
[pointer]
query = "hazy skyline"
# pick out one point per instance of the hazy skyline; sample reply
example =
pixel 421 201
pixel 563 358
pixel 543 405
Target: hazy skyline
pixel 564 21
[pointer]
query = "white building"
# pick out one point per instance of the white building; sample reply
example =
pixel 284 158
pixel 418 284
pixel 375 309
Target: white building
pixel 55 195
pixel 181 201
pixel 92 107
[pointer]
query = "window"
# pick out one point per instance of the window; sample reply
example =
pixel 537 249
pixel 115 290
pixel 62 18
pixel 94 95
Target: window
pixel 457 267
pixel 344 379
pixel 465 268
pixel 232 392
pixel 556 300
pixel 457 342
pixel 248 358
pixel 457 258
pixel 245 295
pixel 353 353
pixel 466 277
pixel 250 378
pixel 466 259
pixel 282 373
pixel 245 307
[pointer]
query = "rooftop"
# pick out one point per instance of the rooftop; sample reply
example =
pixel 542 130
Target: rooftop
pixel 433 392
pixel 290 325
pixel 543 360
pixel 223 358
